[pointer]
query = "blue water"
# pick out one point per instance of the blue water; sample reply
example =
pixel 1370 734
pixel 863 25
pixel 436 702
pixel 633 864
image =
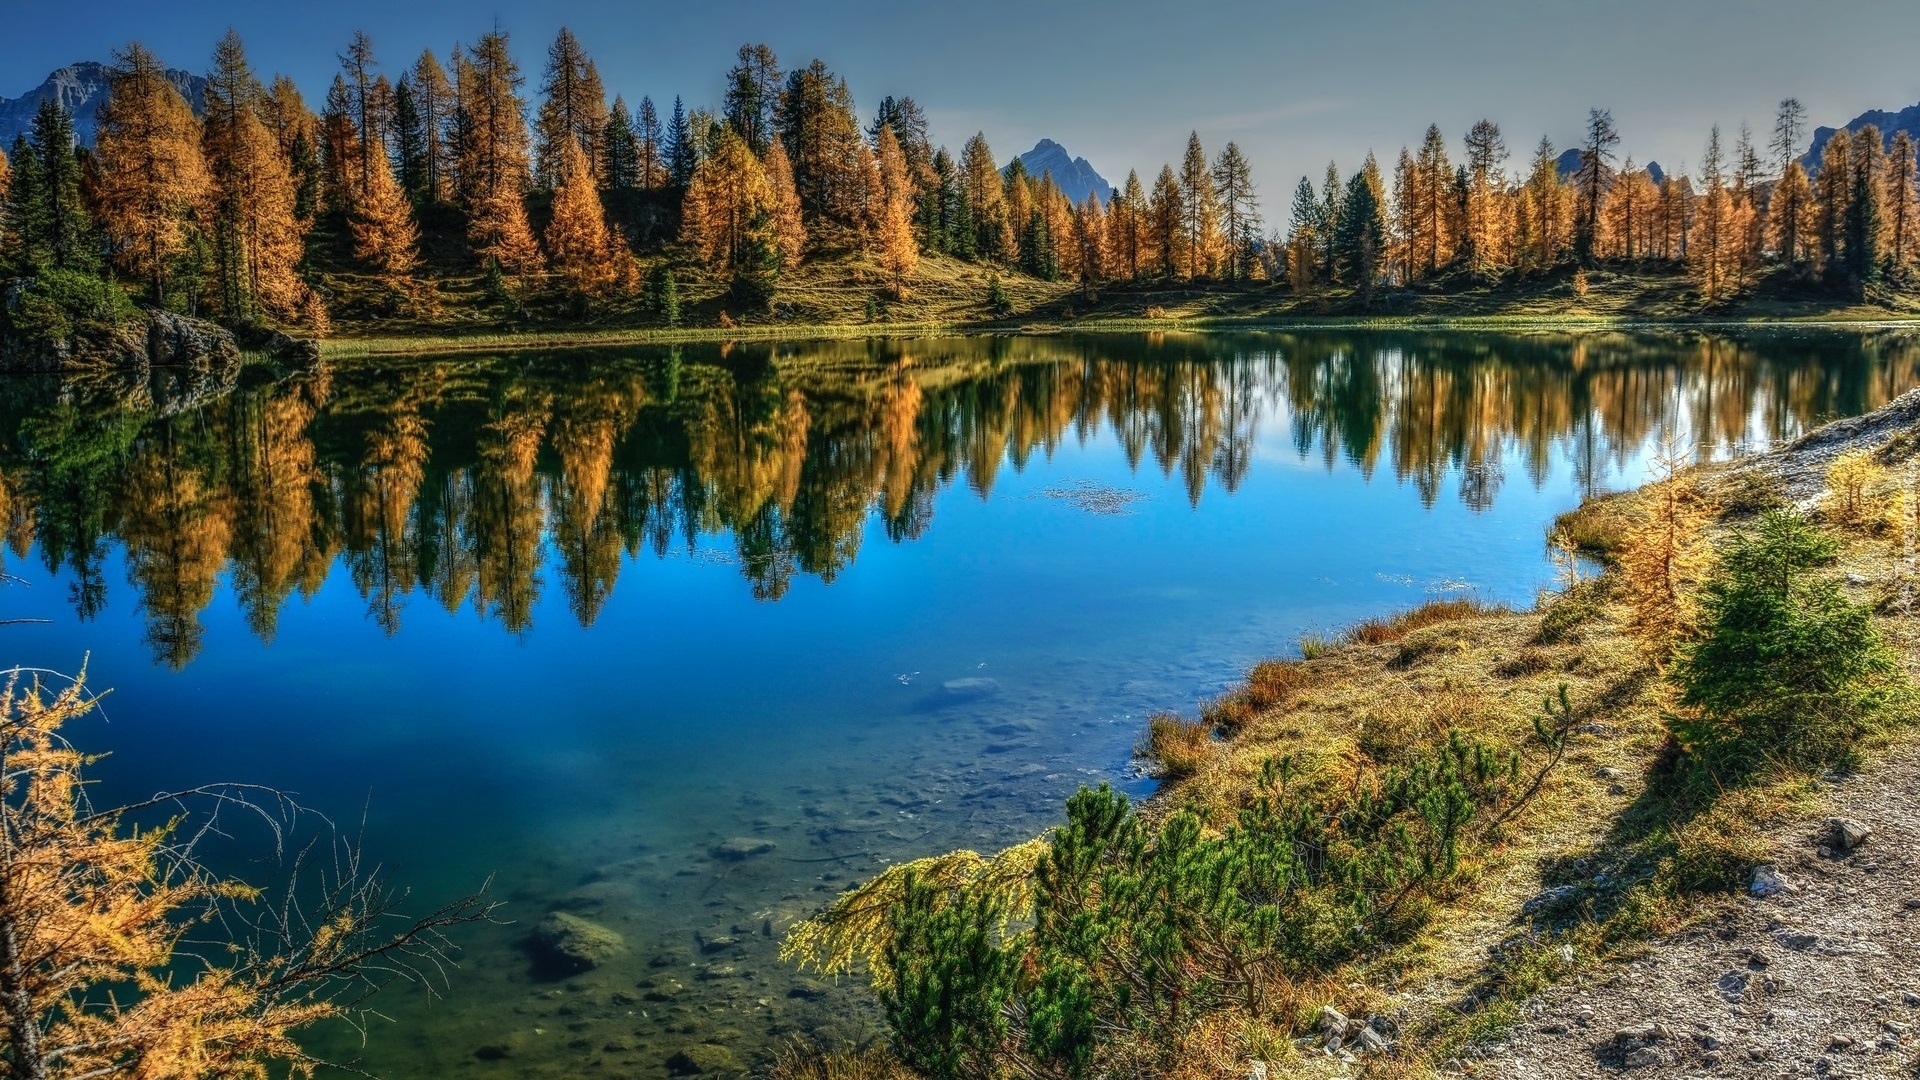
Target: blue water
pixel 721 593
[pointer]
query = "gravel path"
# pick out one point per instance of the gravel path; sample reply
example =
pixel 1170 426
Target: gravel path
pixel 1821 979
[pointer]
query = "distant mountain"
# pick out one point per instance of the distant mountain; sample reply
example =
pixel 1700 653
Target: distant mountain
pixel 1073 176
pixel 1569 163
pixel 1907 120
pixel 82 88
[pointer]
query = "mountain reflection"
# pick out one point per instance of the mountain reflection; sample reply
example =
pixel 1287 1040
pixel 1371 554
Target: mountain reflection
pixel 478 481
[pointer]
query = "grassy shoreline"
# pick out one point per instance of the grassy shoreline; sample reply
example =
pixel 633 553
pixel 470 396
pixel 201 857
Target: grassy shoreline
pixel 1619 849
pixel 349 347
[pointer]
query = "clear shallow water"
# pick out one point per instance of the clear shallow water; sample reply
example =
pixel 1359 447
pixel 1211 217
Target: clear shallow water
pixel 574 619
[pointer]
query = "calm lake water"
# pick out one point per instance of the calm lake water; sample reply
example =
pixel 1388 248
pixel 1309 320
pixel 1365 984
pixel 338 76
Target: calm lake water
pixel 574 619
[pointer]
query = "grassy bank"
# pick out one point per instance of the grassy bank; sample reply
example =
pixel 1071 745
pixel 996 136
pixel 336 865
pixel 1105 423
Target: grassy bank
pixel 1618 822
pixel 847 300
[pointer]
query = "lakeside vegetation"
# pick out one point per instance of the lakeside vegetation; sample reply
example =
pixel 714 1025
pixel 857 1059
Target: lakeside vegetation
pixel 1342 837
pixel 419 201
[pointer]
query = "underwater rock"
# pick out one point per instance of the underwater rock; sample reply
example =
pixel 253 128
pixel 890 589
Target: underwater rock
pixel 967 689
pixel 741 847
pixel 703 1059
pixel 564 943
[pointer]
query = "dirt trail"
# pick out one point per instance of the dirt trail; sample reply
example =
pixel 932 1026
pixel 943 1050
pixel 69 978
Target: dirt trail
pixel 1821 979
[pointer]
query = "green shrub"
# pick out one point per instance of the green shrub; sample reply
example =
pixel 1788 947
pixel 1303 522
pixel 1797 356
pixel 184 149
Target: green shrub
pixel 1786 666
pixel 61 305
pixel 1128 932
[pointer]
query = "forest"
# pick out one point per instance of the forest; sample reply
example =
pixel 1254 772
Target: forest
pixel 440 193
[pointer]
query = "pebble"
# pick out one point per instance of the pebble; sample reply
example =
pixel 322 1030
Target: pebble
pixel 1767 881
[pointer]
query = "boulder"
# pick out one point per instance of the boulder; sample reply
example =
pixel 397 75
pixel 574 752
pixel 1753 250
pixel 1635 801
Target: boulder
pixel 702 1059
pixel 564 943
pixel 737 848
pixel 182 341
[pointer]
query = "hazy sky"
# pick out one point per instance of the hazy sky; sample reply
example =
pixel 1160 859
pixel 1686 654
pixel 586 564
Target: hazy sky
pixel 1122 81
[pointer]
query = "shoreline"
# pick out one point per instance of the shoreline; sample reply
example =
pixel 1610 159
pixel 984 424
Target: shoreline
pixel 341 348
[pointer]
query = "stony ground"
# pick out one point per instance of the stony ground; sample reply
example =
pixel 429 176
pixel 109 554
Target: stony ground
pixel 1819 979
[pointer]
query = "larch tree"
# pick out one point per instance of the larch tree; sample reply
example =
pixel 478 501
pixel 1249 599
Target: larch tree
pixel 1485 239
pixel 385 235
pixel 1794 218
pixel 727 211
pixel 257 235
pixel 1833 191
pixel 1750 207
pixel 494 156
pixel 831 161
pixel 434 97
pixel 1403 221
pixel 1090 240
pixel 898 251
pixel 985 199
pixel 363 106
pixel 1596 172
pixel 579 246
pixel 1543 211
pixel 1713 251
pixel 1167 225
pixel 152 186
pixel 1126 230
pixel 1900 188
pixel 105 969
pixel 573 108
pixel 753 96
pixel 1200 204
pixel 1432 190
pixel 789 229
pixel 649 165
pixel 1240 210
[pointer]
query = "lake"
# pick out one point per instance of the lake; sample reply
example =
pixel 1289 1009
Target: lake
pixel 596 622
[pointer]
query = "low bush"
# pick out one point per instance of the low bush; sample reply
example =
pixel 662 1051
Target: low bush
pixel 1179 747
pixel 1785 666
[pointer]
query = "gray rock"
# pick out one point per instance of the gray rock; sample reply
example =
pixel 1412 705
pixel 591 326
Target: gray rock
pixel 1645 1057
pixel 737 848
pixel 1845 834
pixel 1767 881
pixel 566 943
pixel 1332 1023
pixel 1369 1041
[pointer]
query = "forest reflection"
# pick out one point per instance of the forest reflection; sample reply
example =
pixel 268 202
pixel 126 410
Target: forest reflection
pixel 476 481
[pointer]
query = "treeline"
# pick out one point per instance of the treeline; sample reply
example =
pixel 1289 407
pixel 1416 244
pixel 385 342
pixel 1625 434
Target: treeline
pixel 1849 227
pixel 435 170
pixel 462 485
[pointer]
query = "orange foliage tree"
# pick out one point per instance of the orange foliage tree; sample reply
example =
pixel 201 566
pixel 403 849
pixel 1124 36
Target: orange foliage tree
pixel 99 972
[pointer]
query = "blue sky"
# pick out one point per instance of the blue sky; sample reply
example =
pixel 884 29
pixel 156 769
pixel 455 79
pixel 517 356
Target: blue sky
pixel 1122 81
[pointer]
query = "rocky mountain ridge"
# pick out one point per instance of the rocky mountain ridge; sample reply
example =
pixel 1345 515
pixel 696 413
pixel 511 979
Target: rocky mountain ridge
pixel 1073 176
pixel 81 88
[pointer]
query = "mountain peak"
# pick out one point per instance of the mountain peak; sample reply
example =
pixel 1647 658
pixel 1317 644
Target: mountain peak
pixel 1889 123
pixel 1072 175
pixel 80 88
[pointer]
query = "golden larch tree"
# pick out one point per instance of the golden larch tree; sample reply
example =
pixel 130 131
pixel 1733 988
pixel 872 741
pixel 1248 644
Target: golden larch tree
pixel 101 971
pixel 152 183
pixel 579 247
pixel 493 155
pixel 257 237
pixel 385 236
pixel 1200 208
pixel 788 230
pixel 1900 208
pixel 727 201
pixel 898 251
pixel 986 199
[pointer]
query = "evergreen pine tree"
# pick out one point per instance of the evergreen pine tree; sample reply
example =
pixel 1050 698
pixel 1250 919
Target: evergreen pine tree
pixel 410 145
pixel 680 151
pixel 1361 237
pixel 46 220
pixel 621 169
pixel 1864 205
